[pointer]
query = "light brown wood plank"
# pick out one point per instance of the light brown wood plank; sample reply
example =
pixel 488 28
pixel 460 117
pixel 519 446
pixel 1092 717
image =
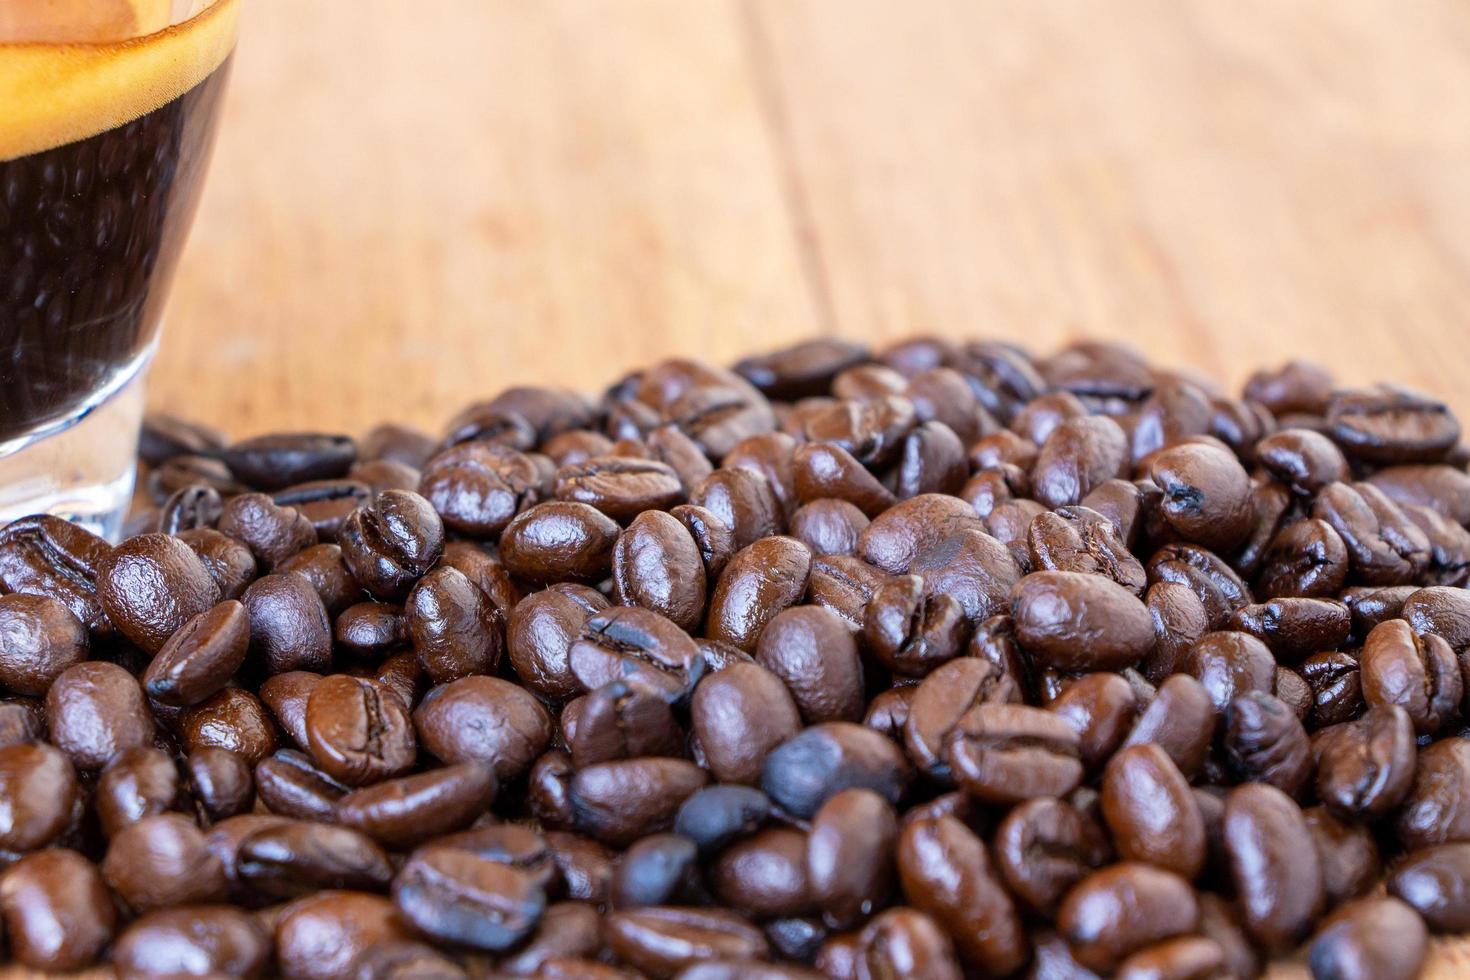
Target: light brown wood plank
pixel 1221 184
pixel 413 205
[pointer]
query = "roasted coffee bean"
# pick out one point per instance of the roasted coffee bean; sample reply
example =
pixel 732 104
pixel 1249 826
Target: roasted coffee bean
pixel 289 625
pixel 95 710
pixel 625 641
pixel 232 719
pixel 621 720
pixel 385 474
pixel 1045 846
pixel 829 526
pixel 200 940
pixel 806 770
pixel 660 940
pixel 1214 582
pixel 150 586
pixel 220 781
pixel 1442 611
pixel 1228 664
pixel 290 785
pixel 849 856
pixel 189 470
pixel 1435 811
pixel 1304 460
pixel 454 897
pixel 1181 720
pixel 657 565
pixel 945 872
pixel 321 936
pixel 47 556
pixel 566 929
pixel 620 487
pixel 139 782
pixel 764 875
pixel 273 532
pixel 285 695
pixel 297 858
pixel 1100 708
pixel 39 639
pixel 164 436
pixel 1378 938
pixel 323 567
pixel 455 630
pixel 477 487
pixel 888 712
pixel 273 461
pixel 1113 913
pixel 357 732
pixel 899 535
pixel 996 487
pixel 39 796
pixel 1417 672
pixel 57 912
pixel 618 802
pixel 660 869
pixel 759 582
pixel 814 654
pixel 195 506
pixel 1005 753
pixel 942 700
pixel 717 816
pixel 540 632
pixel 162 860
pixel 972 567
pixel 905 942
pixel 1206 494
pixel 229 562
pixel 1347 853
pixel 370 629
pixel 740 501
pixel 408 810
pixel 1433 881
pixel 909 632
pixel 1151 813
pixel 871 430
pixel 1079 539
pixel 1297 386
pixel 844 585
pixel 1384 545
pixel 1295 627
pixel 1266 743
pixel 1337 687
pixel 1179 619
pixel 802 369
pixel 200 657
pixel 1274 864
pixel 389 544
pixel 739 715
pixel 325 504
pixel 1072 620
pixel 1388 424
pixel 932 461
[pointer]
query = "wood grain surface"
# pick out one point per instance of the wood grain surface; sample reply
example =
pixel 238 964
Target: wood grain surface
pixel 414 205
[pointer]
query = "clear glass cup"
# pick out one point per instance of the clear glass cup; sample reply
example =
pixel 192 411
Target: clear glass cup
pixel 107 116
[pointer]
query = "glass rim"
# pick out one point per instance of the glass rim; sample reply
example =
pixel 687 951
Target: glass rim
pixel 202 8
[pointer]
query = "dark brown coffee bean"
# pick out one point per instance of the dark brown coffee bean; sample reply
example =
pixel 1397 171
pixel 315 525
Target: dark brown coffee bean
pixel 559 540
pixel 1076 456
pixel 201 657
pixel 803 369
pixel 486 573
pixel 618 802
pixel 386 474
pixel 1204 573
pixel 844 585
pixel 1384 545
pixel 661 869
pixel 1228 664
pixel 657 565
pixel 1419 673
pixel 1179 619
pixel 1295 627
pixel 829 526
pixel 809 768
pixel 409 810
pixel 995 487
pixel 672 447
pixel 455 630
pixel 739 715
pixel 1337 689
pixel 1435 810
pixel 912 634
pixel 370 629
pixel 139 782
pixel 1378 938
pixel 391 543
pixel 888 712
pixel 285 695
pixel 165 436
pixel 942 700
pixel 297 858
pixel 814 654
pixel 660 940
pixel 290 785
pixel 758 583
pixel 39 796
pixel 1005 753
pixel 1347 853
pixel 95 710
pixel 273 461
pixel 57 912
pixel 1181 720
pixel 566 929
pixel 232 719
pixel 173 475
pixel 716 816
pixel 871 430
pixel 900 534
pixel 273 532
pixel 229 562
pixel 484 719
pixel 945 872
pixel 323 567
pixel 150 586
pixel 1100 708
pixel 932 460
pixel 849 855
pixel 202 939
pixel 1079 539
pixel 903 941
pixel 1045 846
pixel 1388 424
pixel 358 733
pixel 221 782
pixel 540 633
pixel 39 638
pixel 325 504
pixel 764 875
pixel 477 487
pixel 1124 908
pixel 1151 813
pixel 160 861
pixel 738 500
pixel 44 555
pixel 631 641
pixel 1274 864
pixel 1265 742
pixel 289 625
pixel 972 567
pixel 1433 882
pixel 1072 620
pixel 321 936
pixel 1443 489
pixel 620 487
pixel 621 720
pixel 1206 494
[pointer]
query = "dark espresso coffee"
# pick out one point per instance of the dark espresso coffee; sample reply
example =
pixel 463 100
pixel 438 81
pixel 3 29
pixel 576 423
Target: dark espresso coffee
pixel 90 233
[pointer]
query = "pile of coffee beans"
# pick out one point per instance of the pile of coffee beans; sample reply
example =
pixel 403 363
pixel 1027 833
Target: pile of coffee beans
pixel 937 661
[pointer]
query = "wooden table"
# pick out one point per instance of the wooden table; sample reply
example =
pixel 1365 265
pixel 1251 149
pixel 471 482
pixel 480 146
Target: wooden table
pixel 413 205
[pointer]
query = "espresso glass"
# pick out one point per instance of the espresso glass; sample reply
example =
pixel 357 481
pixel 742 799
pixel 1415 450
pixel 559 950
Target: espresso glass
pixel 107 116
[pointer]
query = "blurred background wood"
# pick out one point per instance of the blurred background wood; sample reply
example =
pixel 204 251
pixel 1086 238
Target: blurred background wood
pixel 413 205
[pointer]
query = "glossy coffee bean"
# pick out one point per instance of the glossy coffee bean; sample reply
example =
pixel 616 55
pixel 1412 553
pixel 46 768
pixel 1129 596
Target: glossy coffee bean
pixel 1365 770
pixel 221 781
pixel 660 940
pixel 1417 672
pixel 540 633
pixel 200 657
pixel 321 936
pixel 1181 720
pixel 1100 708
pixel 198 939
pixel 758 583
pixel 657 565
pixel 810 650
pixel 1045 846
pixel 389 544
pixel 1113 913
pixel 1381 938
pixel 1274 864
pixel 409 810
pixel 139 782
pixel 811 767
pixel 739 715
pixel 457 898
pixel 627 641
pixel 1072 620
pixel 357 731
pixel 150 586
pixel 47 556
pixel 57 912
pixel 289 625
pixel 1151 813
pixel 39 796
pixel 849 856
pixel 1004 753
pixel 618 802
pixel 717 815
pixel 161 861
pixel 454 628
pixel 39 639
pixel 1265 742
pixel 233 719
pixel 95 710
pixel 559 540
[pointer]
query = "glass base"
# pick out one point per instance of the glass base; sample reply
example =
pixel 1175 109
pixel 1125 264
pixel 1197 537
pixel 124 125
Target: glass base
pixel 84 472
